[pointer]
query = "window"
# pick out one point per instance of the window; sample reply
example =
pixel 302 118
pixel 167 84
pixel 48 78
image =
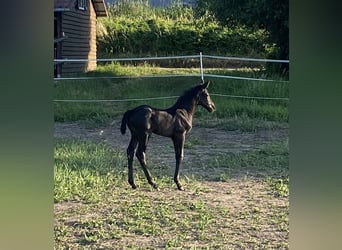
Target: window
pixel 82 4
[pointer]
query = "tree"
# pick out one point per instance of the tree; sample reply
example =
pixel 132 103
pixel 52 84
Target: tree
pixel 272 15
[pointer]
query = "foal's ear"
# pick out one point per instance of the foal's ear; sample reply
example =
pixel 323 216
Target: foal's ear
pixel 206 84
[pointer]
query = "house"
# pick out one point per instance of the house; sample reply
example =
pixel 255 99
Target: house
pixel 75 34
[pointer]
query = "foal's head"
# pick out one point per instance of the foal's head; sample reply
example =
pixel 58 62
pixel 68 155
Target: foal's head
pixel 204 98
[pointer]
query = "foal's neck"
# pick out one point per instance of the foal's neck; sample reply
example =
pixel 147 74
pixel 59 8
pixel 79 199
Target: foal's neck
pixel 189 106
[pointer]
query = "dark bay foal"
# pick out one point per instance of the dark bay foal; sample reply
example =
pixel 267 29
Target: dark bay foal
pixel 174 122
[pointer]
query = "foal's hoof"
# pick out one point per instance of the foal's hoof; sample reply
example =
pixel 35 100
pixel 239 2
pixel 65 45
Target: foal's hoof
pixel 134 186
pixel 180 188
pixel 155 187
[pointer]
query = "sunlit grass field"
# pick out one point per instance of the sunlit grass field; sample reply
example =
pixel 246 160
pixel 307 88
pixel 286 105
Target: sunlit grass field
pixel 96 208
pixel 244 205
pixel 118 91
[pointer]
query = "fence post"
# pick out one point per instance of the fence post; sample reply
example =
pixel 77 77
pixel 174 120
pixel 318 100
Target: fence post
pixel 201 62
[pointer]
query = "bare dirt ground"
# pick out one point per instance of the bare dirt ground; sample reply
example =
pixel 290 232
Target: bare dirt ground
pixel 235 195
pixel 212 138
pixel 201 143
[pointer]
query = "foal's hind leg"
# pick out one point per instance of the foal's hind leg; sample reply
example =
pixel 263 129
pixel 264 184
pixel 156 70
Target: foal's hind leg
pixel 130 155
pixel 141 155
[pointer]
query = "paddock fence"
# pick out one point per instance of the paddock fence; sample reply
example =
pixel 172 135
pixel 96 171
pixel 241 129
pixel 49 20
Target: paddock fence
pixel 201 74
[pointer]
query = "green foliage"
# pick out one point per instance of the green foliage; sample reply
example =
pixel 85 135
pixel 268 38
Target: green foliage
pixel 135 28
pixel 273 16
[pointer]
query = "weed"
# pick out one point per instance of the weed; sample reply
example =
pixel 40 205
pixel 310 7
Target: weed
pixel 280 186
pixel 223 177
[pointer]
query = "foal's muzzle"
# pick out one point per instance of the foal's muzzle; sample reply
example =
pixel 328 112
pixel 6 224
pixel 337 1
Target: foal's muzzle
pixel 211 107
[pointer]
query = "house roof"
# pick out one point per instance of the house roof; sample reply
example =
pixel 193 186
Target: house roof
pixel 99 6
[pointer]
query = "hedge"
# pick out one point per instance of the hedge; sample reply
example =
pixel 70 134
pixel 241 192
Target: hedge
pixel 161 36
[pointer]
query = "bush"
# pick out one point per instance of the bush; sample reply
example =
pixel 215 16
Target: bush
pixel 141 30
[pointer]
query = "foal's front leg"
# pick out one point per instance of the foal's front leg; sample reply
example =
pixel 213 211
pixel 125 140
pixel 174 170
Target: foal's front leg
pixel 178 142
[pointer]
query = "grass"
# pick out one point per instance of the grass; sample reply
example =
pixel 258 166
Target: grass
pixel 96 209
pixel 232 113
pixel 270 162
pixel 81 166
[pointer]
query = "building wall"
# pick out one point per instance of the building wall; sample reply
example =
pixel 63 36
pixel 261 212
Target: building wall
pixel 57 45
pixel 92 43
pixel 80 28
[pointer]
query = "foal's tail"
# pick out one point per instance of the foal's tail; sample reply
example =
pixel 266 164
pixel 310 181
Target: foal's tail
pixel 124 122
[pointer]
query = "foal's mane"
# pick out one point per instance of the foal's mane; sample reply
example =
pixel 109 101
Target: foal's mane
pixel 188 94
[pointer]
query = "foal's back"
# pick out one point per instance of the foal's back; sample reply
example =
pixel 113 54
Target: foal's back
pixel 150 120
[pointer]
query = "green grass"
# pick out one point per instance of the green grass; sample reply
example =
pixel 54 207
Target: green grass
pixel 234 201
pixel 232 113
pixel 270 162
pixel 84 170
pixel 95 208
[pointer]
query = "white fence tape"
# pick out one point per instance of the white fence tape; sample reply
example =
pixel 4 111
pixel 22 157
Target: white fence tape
pixel 172 57
pixel 121 100
pixel 252 97
pixel 246 59
pixel 119 77
pixel 127 59
pixel 200 56
pixel 168 76
pixel 171 97
pixel 244 78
